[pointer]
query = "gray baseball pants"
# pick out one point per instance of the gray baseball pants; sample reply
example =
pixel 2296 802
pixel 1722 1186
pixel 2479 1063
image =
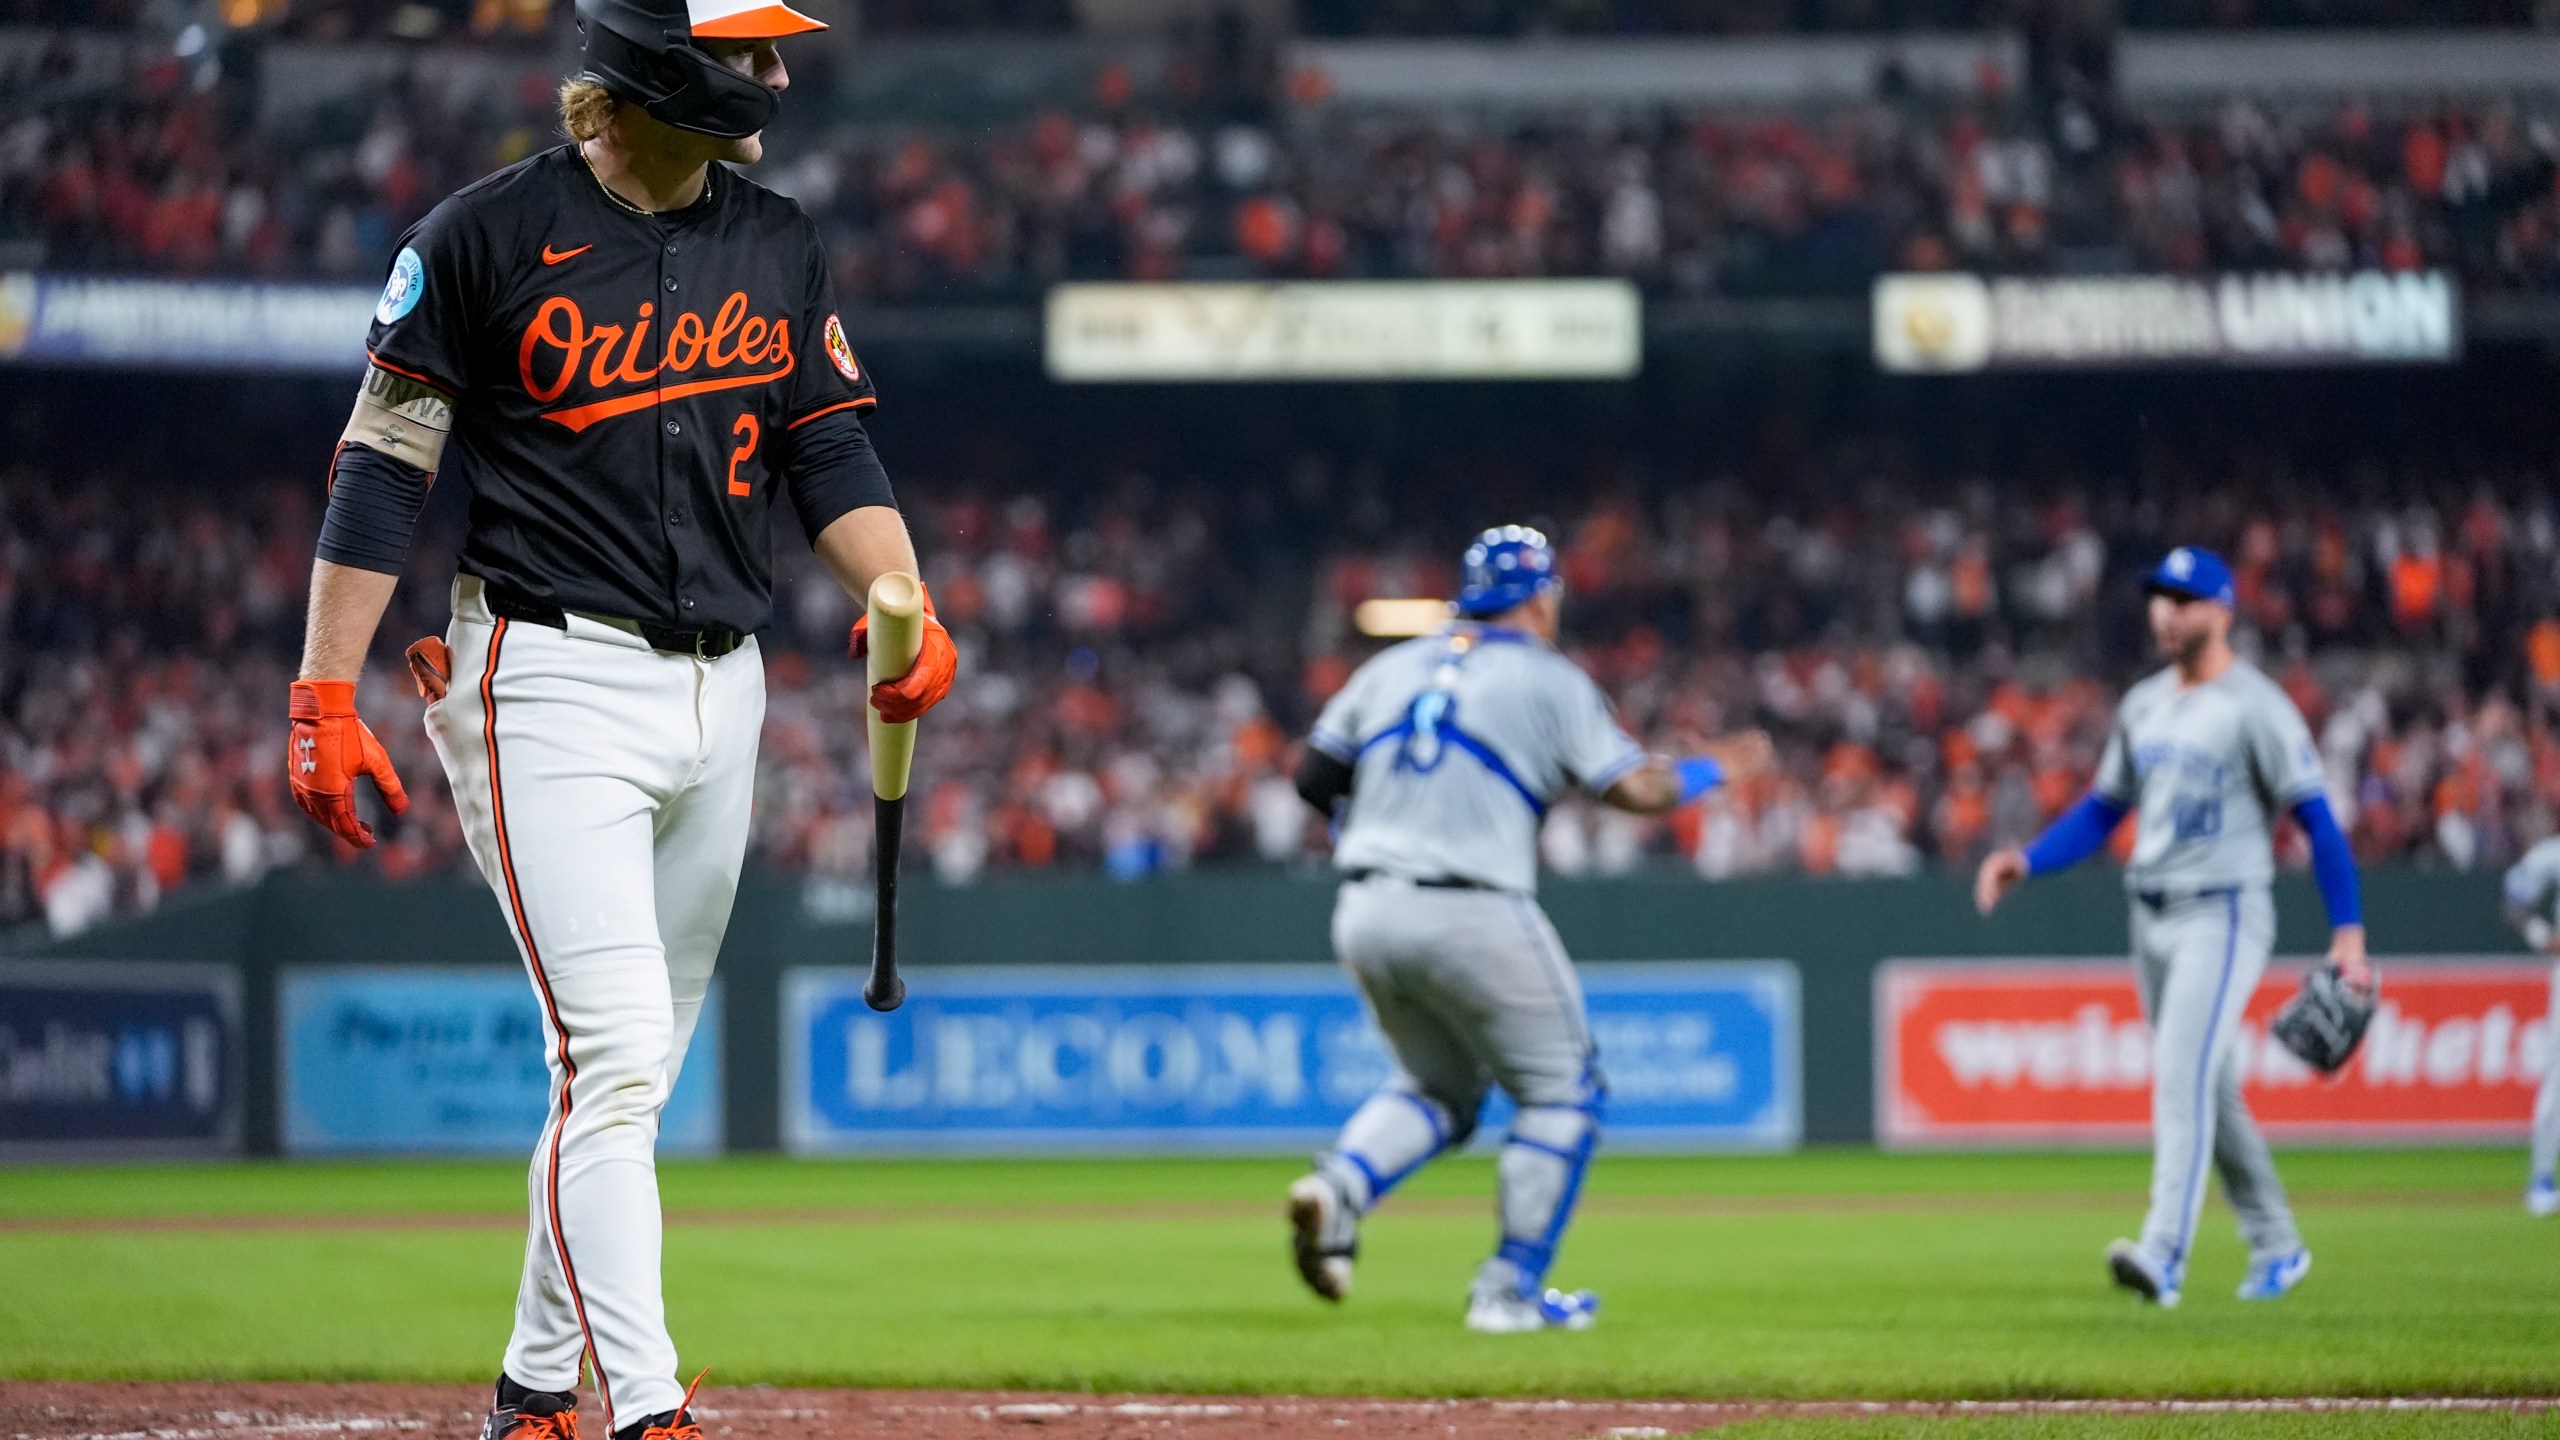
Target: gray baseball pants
pixel 2197 960
pixel 2546 1100
pixel 1471 989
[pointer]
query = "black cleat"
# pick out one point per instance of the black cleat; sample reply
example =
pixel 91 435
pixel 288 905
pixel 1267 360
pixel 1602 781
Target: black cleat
pixel 521 1414
pixel 676 1424
pixel 1324 1234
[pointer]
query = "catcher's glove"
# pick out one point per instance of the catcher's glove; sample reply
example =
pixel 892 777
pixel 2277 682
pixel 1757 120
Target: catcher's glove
pixel 2325 1022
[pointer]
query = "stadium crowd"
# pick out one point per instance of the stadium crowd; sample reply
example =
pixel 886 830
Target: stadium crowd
pixel 1937 665
pixel 1693 204
pixel 1501 18
pixel 1760 17
pixel 169 174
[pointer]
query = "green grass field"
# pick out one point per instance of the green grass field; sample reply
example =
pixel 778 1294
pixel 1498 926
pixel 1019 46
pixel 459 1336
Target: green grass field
pixel 2146 1427
pixel 1825 1274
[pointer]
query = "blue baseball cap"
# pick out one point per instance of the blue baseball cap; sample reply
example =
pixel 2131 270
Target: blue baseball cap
pixel 1508 565
pixel 2192 572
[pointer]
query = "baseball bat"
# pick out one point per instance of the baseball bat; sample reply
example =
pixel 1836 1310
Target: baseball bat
pixel 897 633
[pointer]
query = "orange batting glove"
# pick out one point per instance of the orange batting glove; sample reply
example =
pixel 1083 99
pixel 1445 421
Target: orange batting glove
pixel 431 667
pixel 330 746
pixel 926 682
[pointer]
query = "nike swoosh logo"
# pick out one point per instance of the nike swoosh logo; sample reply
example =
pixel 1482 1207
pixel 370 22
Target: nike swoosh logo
pixel 578 417
pixel 554 257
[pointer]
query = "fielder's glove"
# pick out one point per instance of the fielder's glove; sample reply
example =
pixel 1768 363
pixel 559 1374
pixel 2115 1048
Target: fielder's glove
pixel 2325 1022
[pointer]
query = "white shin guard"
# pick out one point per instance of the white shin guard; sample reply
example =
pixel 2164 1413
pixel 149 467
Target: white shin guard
pixel 1394 1133
pixel 1541 1174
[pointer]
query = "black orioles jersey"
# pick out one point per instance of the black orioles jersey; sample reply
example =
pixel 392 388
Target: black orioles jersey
pixel 630 389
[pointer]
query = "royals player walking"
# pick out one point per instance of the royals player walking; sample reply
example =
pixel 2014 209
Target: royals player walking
pixel 1441 756
pixel 2533 907
pixel 2208 754
pixel 634 355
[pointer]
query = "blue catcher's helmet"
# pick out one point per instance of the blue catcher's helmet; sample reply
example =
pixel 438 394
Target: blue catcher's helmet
pixel 1508 565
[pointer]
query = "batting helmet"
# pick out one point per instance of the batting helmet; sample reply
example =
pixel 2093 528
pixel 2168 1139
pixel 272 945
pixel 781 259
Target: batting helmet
pixel 1508 565
pixel 643 51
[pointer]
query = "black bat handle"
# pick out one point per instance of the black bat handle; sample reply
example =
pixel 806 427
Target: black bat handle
pixel 884 991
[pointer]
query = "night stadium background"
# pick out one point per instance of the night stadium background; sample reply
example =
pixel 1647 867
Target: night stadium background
pixel 1923 328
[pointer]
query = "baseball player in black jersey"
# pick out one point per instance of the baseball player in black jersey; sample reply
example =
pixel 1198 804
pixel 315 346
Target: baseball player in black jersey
pixel 629 353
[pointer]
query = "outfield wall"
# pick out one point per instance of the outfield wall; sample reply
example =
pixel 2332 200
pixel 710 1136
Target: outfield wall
pixel 1835 934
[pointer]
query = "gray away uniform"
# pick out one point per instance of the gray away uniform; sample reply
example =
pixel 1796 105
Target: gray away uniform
pixel 2533 889
pixel 1458 743
pixel 2208 771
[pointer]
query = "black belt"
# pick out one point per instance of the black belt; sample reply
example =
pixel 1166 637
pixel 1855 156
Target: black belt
pixel 701 644
pixel 1427 882
pixel 2161 899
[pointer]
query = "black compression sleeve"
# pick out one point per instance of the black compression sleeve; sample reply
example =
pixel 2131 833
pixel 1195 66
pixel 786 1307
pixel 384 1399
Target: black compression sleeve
pixel 374 502
pixel 832 469
pixel 1322 780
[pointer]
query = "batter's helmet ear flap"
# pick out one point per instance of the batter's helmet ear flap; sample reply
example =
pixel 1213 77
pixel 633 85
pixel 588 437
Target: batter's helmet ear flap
pixel 643 52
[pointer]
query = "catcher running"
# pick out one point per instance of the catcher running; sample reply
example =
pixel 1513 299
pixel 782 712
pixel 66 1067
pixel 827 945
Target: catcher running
pixel 2208 754
pixel 630 354
pixel 1440 757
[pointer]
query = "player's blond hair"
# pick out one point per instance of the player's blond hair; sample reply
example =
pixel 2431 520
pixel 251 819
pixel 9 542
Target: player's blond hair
pixel 586 108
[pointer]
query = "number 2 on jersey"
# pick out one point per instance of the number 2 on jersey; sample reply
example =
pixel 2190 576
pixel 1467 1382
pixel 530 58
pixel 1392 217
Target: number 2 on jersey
pixel 748 432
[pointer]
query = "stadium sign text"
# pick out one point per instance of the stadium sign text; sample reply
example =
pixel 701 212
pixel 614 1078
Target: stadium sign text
pixel 1260 1058
pixel 1346 330
pixel 105 1059
pixel 1948 323
pixel 447 1060
pixel 182 324
pixel 2043 1052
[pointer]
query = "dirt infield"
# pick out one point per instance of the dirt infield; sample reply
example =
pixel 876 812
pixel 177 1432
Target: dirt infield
pixel 51 1411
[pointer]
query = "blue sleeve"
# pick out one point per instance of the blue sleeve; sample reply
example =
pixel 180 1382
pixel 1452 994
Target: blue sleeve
pixel 2333 861
pixel 2075 835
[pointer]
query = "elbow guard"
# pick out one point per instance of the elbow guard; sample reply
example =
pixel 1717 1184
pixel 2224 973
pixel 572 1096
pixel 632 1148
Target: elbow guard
pixel 1323 781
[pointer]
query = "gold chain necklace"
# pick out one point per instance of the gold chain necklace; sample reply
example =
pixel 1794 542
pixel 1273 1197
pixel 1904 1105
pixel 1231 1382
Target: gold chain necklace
pixel 617 196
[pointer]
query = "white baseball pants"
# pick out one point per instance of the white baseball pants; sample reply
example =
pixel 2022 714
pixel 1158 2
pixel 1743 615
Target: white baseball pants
pixel 604 789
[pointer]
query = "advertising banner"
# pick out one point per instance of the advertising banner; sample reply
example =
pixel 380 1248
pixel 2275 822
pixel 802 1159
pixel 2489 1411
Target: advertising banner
pixel 1948 323
pixel 450 1060
pixel 1245 1058
pixel 104 1060
pixel 2047 1052
pixel 182 324
pixel 1346 330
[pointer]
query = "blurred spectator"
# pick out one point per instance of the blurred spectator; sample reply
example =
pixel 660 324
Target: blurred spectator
pixel 1762 17
pixel 1484 17
pixel 168 172
pixel 1124 708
